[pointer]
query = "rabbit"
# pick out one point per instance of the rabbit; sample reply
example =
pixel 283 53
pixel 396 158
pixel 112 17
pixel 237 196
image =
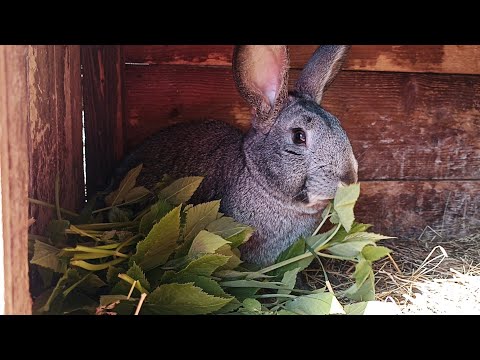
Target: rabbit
pixel 280 175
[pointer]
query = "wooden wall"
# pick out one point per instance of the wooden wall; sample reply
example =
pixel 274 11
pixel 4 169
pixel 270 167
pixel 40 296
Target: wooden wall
pixel 411 112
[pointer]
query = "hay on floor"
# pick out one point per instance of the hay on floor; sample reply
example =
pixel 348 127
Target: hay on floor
pixel 430 275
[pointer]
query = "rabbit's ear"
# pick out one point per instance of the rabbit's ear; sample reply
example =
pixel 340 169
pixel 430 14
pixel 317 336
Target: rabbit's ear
pixel 321 70
pixel 261 75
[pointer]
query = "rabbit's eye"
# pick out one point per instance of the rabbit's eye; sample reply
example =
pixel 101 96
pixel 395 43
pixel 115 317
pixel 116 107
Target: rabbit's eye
pixel 299 137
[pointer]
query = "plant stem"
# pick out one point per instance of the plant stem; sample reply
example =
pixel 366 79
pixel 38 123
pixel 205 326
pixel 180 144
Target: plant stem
pixel 92 267
pixel 138 286
pixel 51 206
pixel 320 247
pixel 128 241
pixel 334 257
pixel 106 226
pixel 285 262
pixel 140 303
pixel 265 296
pixel 323 221
pixel 118 205
pixel 96 250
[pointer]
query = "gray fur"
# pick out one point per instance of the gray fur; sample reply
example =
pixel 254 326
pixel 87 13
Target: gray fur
pixel 262 177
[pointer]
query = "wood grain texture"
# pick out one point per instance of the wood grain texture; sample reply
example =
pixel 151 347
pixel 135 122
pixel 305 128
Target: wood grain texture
pixel 14 179
pixel 55 119
pixel 103 68
pixel 405 209
pixel 456 59
pixel 402 126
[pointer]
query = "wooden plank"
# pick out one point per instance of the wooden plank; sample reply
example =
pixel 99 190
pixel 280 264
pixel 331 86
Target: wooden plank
pixel 455 59
pixel 14 178
pixel 405 209
pixel 103 68
pixel 55 116
pixel 402 126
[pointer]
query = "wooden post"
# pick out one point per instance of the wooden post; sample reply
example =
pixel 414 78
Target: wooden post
pixel 14 178
pixel 103 88
pixel 55 108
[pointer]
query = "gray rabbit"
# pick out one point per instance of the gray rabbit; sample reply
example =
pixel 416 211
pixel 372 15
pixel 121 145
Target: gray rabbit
pixel 280 175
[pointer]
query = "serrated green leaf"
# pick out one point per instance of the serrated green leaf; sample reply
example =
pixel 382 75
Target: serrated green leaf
pixel 199 216
pixel 374 253
pixel 157 211
pixel 289 279
pixel 116 214
pixel 112 274
pixel 205 243
pixel 234 257
pixel 182 299
pixel 181 190
pixel 208 285
pixel 56 232
pixel 160 242
pixel 297 248
pixel 362 271
pixel 242 293
pixel 127 184
pixel 315 304
pixel 136 194
pixel 47 256
pixel 344 202
pixel 230 230
pixel 205 265
pixel 366 292
pixel 136 273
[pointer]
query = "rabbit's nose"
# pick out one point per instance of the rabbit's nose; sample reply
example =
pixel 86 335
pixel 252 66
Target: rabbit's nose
pixel 349 177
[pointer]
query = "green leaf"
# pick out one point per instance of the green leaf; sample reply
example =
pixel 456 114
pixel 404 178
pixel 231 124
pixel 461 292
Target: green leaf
pixel 127 184
pixel 160 242
pixel 199 216
pixel 289 280
pixel 372 308
pixel 117 215
pixel 297 248
pixel 315 304
pixel 157 211
pixel 252 305
pixel 374 253
pixel 112 274
pixel 242 293
pixel 182 299
pixel 71 276
pixel 136 273
pixel 181 190
pixel 56 231
pixel 231 230
pixel 344 202
pixel 137 193
pixel 47 256
pixel 363 236
pixel 362 271
pixel 233 254
pixel 205 265
pixel 366 292
pixel 205 243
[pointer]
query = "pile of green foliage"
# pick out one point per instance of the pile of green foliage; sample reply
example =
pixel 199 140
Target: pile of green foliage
pixel 153 253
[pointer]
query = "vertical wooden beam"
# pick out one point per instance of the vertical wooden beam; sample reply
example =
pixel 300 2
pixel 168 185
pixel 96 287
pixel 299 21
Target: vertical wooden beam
pixel 14 180
pixel 103 89
pixel 55 129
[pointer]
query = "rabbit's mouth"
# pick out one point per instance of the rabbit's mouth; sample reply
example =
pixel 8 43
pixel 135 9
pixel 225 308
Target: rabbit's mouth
pixel 318 202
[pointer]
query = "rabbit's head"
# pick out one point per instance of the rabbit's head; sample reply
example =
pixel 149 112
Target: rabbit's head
pixel 294 146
